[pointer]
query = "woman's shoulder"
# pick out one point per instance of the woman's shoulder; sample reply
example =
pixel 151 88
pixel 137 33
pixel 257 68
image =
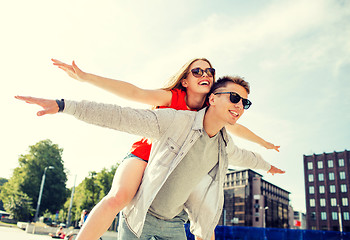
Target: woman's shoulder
pixel 178 100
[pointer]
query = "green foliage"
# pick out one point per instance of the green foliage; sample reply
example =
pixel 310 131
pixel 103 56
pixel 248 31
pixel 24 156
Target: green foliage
pixel 20 193
pixel 2 182
pixel 20 206
pixel 91 190
pixel 28 176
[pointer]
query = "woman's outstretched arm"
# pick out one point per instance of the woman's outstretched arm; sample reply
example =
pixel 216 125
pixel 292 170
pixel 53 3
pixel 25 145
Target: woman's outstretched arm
pixel 156 97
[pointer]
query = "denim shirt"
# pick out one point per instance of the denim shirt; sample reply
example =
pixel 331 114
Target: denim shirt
pixel 173 133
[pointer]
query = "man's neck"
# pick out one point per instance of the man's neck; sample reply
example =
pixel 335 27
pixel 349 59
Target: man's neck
pixel 211 123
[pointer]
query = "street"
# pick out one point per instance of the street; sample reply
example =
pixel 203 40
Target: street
pixel 14 233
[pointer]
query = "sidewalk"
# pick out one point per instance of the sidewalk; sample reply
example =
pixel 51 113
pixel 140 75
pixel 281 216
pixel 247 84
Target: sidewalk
pixel 44 230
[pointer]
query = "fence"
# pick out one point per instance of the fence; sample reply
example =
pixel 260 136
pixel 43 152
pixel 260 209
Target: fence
pixel 253 233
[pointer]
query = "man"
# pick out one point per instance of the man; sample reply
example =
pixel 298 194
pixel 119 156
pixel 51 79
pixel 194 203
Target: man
pixel 188 162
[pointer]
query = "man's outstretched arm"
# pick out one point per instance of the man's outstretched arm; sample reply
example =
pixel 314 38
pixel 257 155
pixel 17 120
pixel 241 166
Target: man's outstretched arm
pixel 141 122
pixel 248 159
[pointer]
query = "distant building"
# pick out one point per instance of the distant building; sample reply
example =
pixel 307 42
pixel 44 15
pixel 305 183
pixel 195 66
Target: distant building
pixel 327 182
pixel 252 201
pixel 299 220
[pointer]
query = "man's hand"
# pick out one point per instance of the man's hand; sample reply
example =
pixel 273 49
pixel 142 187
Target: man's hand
pixel 72 70
pixel 49 106
pixel 274 170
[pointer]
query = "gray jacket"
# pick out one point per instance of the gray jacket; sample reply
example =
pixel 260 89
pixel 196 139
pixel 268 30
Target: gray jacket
pixel 173 134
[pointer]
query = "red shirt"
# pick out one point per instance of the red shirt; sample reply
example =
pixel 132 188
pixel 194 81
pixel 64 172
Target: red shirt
pixel 142 148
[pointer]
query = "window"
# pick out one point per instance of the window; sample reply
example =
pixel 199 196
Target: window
pixel 320 164
pixel 346 216
pixel 342 175
pixel 310 165
pixel 330 163
pixel 312 202
pixel 321 189
pixel 332 188
pixel 320 177
pixel 343 188
pixel 333 202
pixel 311 190
pixel 334 215
pixel 345 202
pixel 311 178
pixel 323 216
pixel 322 202
pixel 341 162
pixel 313 216
pixel 331 176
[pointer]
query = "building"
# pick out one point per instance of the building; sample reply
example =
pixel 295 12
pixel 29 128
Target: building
pixel 299 220
pixel 327 183
pixel 252 201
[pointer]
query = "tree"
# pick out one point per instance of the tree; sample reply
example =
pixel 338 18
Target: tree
pixel 91 190
pixel 19 205
pixel 105 179
pixel 2 182
pixel 27 177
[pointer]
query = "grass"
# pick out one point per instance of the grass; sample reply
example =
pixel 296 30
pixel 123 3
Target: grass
pixel 7 224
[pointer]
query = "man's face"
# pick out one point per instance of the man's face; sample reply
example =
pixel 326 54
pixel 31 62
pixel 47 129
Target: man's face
pixel 227 111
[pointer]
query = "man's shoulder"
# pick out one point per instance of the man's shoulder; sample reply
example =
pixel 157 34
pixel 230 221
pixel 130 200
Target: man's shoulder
pixel 176 112
pixel 175 116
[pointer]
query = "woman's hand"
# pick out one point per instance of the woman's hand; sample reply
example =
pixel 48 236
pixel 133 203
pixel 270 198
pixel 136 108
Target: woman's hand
pixel 49 106
pixel 72 70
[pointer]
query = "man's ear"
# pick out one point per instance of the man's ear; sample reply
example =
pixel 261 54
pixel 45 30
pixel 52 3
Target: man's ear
pixel 211 99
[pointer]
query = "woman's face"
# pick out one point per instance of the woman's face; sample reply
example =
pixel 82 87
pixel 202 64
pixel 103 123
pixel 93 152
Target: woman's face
pixel 199 84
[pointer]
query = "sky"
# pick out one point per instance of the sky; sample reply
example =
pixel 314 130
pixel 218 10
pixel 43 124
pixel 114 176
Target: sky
pixel 294 53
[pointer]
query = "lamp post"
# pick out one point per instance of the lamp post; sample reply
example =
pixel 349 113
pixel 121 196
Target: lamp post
pixel 265 209
pixel 71 203
pixel 41 193
pixel 340 219
pixel 93 187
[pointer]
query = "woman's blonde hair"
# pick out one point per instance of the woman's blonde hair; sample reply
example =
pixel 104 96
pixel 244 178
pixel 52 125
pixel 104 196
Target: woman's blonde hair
pixel 175 81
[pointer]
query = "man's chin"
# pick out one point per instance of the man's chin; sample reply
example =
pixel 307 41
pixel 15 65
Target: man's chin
pixel 232 122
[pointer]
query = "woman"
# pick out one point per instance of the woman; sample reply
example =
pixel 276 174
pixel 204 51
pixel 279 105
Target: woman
pixel 59 233
pixel 186 90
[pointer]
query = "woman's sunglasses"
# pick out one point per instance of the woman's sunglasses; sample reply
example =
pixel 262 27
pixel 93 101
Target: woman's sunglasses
pixel 235 98
pixel 198 72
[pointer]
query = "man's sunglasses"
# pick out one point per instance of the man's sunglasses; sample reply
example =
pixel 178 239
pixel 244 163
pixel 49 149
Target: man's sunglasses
pixel 198 72
pixel 235 98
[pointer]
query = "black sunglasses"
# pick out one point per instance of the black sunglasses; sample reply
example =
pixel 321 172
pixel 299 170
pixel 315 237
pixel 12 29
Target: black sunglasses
pixel 198 72
pixel 235 98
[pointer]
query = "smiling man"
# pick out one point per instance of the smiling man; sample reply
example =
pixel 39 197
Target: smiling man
pixel 188 162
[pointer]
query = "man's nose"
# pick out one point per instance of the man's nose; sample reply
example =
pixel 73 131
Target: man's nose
pixel 239 104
